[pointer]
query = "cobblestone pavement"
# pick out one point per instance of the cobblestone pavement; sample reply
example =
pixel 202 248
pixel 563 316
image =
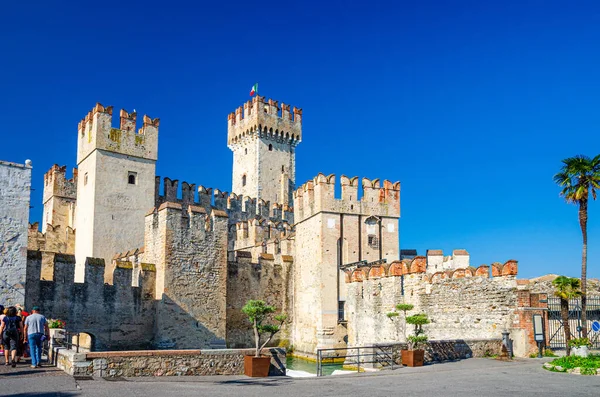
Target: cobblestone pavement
pixel 473 377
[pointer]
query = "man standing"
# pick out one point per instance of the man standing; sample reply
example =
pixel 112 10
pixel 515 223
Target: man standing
pixel 36 327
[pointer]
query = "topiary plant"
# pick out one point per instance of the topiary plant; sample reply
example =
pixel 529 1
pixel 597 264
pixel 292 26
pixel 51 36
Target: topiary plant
pixel 258 311
pixel 401 307
pixel 418 339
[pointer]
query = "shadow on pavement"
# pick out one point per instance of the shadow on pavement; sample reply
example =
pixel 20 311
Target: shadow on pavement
pixel 257 382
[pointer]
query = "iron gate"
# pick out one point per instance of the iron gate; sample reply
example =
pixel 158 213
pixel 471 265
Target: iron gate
pixel 556 334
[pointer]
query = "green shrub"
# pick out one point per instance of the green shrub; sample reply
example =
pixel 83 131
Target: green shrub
pixel 578 342
pixel 589 365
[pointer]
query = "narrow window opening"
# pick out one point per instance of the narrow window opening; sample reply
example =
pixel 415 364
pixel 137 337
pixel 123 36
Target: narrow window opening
pixel 373 241
pixel 270 147
pixel 244 180
pixel 277 247
pixel 282 169
pixel 264 248
pixel 85 179
pixel 246 151
pixel 132 178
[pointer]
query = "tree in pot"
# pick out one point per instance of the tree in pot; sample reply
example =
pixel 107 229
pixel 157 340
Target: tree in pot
pixel 404 308
pixel 258 312
pixel 415 355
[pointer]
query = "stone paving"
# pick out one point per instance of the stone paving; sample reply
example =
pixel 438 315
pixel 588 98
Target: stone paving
pixel 472 377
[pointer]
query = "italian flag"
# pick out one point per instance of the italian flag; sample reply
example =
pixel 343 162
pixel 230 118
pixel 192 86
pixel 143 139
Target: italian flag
pixel 254 89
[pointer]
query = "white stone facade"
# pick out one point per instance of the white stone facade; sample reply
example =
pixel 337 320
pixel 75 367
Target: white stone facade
pixel 15 190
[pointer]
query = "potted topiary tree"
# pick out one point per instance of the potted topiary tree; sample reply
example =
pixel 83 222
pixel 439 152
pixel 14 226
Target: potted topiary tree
pixel 258 312
pixel 415 355
pixel 404 308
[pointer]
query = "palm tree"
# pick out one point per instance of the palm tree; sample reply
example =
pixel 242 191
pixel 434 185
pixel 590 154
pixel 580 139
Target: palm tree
pixel 566 288
pixel 579 177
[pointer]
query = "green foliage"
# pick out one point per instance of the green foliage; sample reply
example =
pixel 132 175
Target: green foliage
pixel 416 341
pixel 578 342
pixel 258 311
pixel 579 177
pixel 404 307
pixel 589 365
pixel 549 353
pixel 392 314
pixel 418 319
pixel 566 287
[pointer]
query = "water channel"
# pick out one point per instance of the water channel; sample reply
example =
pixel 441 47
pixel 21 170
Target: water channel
pixel 300 364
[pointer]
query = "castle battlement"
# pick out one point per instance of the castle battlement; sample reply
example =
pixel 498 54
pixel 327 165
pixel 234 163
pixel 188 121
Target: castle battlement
pixel 264 118
pixel 57 184
pixel 417 268
pixel 437 262
pixel 95 131
pixel 56 238
pixel 318 195
pixel 237 207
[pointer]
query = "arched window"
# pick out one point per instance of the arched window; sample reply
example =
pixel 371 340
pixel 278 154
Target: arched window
pixel 270 147
pixel 244 180
pixel 131 178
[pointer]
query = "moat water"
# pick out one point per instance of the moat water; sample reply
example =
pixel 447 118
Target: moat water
pixel 299 364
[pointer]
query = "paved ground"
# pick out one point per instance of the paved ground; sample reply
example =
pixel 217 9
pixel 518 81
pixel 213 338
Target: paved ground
pixel 473 377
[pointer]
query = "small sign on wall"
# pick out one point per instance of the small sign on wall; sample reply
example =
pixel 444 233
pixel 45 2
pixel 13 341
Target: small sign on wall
pixel 390 227
pixel 330 223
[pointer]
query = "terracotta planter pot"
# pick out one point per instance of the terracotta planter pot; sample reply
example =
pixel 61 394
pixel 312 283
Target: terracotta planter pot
pixel 413 358
pixel 257 366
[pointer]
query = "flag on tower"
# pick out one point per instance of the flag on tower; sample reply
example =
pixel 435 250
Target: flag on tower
pixel 254 89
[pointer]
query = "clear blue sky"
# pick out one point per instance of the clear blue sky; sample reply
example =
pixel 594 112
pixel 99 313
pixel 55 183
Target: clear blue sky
pixel 471 105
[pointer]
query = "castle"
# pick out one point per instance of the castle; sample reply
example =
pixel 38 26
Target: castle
pixel 178 261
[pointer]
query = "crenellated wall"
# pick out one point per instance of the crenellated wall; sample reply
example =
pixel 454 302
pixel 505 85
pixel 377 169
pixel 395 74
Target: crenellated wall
pixel 189 249
pixel 95 131
pixel 117 316
pixel 238 208
pixel 263 138
pixel 60 198
pixel 318 195
pixel 462 303
pixel 330 234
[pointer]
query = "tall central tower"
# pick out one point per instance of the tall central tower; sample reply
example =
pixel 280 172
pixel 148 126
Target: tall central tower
pixel 263 138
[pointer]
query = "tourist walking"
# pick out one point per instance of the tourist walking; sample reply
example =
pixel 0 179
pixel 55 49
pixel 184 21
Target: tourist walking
pixel 2 315
pixel 11 329
pixel 36 331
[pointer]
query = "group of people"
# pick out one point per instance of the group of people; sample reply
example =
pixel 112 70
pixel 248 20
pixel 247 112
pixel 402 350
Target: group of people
pixel 19 328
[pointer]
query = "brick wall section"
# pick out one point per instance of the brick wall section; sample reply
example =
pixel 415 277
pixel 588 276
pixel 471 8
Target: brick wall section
pixel 15 186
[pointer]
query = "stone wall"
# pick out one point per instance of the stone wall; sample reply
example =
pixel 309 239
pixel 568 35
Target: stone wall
pixel 461 304
pixel 15 186
pixel 332 233
pixel 163 363
pixel 116 316
pixel 265 280
pixel 189 249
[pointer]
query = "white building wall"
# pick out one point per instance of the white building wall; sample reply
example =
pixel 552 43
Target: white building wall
pixel 15 189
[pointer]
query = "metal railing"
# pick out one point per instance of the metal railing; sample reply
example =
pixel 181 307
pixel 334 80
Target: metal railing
pixel 354 357
pixel 66 340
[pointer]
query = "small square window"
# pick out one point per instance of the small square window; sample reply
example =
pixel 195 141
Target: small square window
pixel 132 178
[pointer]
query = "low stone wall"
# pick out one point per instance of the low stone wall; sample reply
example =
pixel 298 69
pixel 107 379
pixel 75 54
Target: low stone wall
pixel 163 362
pixel 442 350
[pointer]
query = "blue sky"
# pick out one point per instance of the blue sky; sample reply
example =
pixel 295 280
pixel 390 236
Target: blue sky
pixel 470 104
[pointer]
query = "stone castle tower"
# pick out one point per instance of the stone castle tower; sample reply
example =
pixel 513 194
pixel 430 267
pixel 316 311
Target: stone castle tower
pixel 263 138
pixel 331 234
pixel 115 184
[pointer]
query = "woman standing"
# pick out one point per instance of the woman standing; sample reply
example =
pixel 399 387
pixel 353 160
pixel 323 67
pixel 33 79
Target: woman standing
pixel 11 329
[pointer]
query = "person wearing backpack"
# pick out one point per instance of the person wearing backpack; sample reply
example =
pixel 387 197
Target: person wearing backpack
pixel 11 329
